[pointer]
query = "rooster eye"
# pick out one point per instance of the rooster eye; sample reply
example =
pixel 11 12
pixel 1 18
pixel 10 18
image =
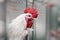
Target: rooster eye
pixel 29 15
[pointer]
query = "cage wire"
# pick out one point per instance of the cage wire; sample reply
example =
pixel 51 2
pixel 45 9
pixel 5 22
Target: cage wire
pixel 43 2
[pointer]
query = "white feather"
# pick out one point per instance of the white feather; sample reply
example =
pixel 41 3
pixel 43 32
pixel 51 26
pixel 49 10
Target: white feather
pixel 16 29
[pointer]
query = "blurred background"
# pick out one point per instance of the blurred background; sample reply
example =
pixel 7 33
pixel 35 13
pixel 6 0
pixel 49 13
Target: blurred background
pixel 47 21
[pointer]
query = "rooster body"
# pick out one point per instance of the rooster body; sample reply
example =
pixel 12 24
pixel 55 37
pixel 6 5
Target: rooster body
pixel 16 29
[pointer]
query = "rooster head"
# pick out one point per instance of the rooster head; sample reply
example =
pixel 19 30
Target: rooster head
pixel 29 18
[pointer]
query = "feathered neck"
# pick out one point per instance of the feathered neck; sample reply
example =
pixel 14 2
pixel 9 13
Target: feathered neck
pixel 20 18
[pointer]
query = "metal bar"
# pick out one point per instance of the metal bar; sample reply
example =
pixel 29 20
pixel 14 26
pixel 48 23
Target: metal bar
pixel 31 4
pixel 4 18
pixel 48 22
pixel 26 3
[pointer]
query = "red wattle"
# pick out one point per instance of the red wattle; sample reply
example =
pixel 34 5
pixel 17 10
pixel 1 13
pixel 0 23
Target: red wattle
pixel 29 23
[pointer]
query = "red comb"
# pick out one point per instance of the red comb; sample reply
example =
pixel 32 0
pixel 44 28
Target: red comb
pixel 32 11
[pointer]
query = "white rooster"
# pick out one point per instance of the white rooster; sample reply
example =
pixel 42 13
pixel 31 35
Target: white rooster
pixel 17 29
